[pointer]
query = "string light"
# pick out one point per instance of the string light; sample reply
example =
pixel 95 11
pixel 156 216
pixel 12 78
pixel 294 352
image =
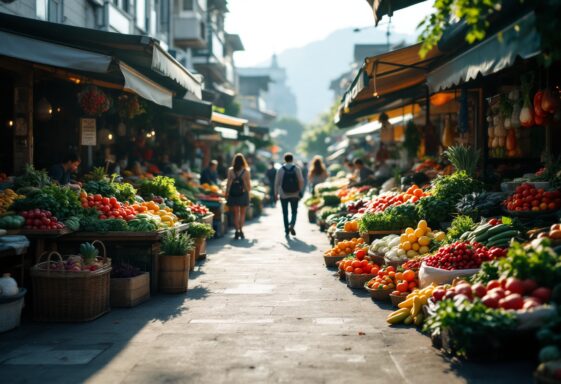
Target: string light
pixel 10 123
pixel 110 136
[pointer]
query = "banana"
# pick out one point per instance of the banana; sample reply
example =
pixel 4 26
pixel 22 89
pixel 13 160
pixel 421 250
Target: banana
pixel 418 320
pixel 408 303
pixel 408 320
pixel 398 316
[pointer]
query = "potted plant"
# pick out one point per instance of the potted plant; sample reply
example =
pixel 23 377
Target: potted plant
pixel 129 286
pixel 200 232
pixel 177 250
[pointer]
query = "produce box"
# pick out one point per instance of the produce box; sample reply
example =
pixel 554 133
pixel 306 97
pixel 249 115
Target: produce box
pixel 130 291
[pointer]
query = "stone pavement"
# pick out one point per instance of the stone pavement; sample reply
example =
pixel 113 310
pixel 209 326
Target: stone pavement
pixel 263 310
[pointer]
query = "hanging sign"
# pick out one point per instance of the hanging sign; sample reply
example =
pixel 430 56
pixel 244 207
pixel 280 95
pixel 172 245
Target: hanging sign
pixel 88 134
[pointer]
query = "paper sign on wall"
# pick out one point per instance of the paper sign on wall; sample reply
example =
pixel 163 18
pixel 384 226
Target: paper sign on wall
pixel 88 134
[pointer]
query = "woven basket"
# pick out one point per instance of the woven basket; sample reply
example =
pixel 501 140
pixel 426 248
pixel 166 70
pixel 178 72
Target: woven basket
pixel 342 235
pixel 376 258
pixel 331 261
pixel 357 281
pixel 63 296
pixel 342 274
pixel 396 299
pixel 379 294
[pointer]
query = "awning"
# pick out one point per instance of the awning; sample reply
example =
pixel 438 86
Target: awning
pixel 193 109
pixel 227 121
pixel 336 155
pixel 519 39
pixel 56 55
pixel 338 146
pixel 388 7
pixel 227 133
pixel 144 87
pixel 142 53
pixel 374 126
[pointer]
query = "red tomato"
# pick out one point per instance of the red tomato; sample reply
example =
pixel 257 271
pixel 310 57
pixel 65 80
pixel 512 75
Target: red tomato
pixel 105 200
pixel 98 197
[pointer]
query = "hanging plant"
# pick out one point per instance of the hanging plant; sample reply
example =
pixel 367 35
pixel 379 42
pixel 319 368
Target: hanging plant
pixel 130 106
pixel 93 101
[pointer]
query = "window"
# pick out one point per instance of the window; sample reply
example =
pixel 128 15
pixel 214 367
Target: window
pixel 203 30
pixel 122 5
pixel 41 9
pixel 56 11
pixel 188 5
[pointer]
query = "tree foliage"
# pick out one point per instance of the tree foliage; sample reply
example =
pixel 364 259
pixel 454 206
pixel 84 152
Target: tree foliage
pixel 314 138
pixel 294 129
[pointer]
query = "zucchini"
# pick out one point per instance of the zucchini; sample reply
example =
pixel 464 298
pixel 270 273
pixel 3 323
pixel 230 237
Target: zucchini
pixel 504 235
pixel 498 229
pixel 481 229
pixel 503 243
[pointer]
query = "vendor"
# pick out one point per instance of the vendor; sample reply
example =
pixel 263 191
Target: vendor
pixel 362 172
pixel 62 173
pixel 209 175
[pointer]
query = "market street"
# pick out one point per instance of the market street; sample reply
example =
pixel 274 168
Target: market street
pixel 257 310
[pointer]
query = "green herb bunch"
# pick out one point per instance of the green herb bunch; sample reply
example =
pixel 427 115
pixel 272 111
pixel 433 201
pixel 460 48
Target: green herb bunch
pixel 33 178
pixel 176 244
pixel 463 158
pixel 200 230
pixel 159 186
pixel 61 201
pixel 393 218
pixel 433 210
pixel 460 225
pixel 455 186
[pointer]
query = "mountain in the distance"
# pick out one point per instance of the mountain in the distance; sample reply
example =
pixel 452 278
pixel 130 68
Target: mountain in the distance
pixel 311 68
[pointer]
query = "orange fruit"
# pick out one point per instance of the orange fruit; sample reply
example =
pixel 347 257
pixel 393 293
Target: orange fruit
pixel 349 269
pixel 409 275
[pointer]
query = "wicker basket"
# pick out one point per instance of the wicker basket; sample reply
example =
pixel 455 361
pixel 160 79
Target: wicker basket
pixel 331 261
pixel 379 294
pixel 395 264
pixel 342 235
pixel 70 296
pixel 342 274
pixel 376 258
pixel 357 281
pixel 396 299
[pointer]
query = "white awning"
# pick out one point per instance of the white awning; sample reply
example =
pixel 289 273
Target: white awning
pixel 144 87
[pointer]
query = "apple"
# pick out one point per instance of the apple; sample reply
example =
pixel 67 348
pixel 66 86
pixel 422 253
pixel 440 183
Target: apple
pixel 512 301
pixel 464 289
pixel 479 290
pixel 497 291
pixel 514 285
pixel 529 285
pixel 490 301
pixel 493 284
pixel 542 294
pixel 502 281
pixel 438 294
pixel 450 294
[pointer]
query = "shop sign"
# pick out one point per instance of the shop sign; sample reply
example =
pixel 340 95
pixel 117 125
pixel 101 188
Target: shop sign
pixel 88 135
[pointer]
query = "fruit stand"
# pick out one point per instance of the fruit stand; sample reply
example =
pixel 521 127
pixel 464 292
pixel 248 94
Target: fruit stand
pixel 463 263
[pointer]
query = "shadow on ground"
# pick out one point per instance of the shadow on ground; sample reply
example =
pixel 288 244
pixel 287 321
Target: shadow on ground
pixel 297 245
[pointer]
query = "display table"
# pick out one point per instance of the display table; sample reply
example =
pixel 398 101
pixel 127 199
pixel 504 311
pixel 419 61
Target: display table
pixel 141 249
pixel 42 240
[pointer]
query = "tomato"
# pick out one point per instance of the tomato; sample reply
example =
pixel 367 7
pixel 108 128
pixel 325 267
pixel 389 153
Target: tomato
pixel 113 201
pixel 129 217
pixel 105 200
pixel 97 197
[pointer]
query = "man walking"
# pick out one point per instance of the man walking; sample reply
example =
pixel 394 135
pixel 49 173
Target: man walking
pixel 271 176
pixel 289 183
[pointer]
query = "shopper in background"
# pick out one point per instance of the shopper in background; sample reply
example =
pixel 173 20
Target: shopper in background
pixel 271 175
pixel 362 172
pixel 305 175
pixel 238 188
pixel 209 175
pixel 289 184
pixel 318 174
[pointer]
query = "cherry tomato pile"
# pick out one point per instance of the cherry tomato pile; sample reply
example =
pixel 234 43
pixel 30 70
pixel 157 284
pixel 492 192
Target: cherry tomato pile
pixel 357 206
pixel 199 209
pixel 529 198
pixel 108 207
pixel 462 255
pixel 40 219
pixel 360 264
pixel 401 283
pixel 380 203
pixel 414 264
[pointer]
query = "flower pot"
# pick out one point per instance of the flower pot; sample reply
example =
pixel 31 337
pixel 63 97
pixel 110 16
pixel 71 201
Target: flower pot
pixel 200 248
pixel 130 291
pixel 174 273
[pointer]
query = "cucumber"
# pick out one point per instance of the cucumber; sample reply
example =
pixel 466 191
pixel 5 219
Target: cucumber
pixel 498 229
pixel 481 229
pixel 465 235
pixel 504 235
pixel 504 242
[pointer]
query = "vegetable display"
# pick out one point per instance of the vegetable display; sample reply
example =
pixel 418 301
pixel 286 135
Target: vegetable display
pixel 7 198
pixel 107 207
pixel 62 202
pixel 41 219
pixel 529 198
pixel 462 255
pixel 393 218
pixel 12 222
pixel 493 233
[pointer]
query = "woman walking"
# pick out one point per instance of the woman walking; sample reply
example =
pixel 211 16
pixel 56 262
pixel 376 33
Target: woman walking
pixel 238 188
pixel 318 173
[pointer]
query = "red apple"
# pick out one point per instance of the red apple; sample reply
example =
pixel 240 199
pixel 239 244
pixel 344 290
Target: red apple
pixel 479 290
pixel 490 301
pixel 529 285
pixel 512 301
pixel 497 291
pixel 493 284
pixel 542 294
pixel 531 302
pixel 514 285
pixel 464 289
pixel 438 294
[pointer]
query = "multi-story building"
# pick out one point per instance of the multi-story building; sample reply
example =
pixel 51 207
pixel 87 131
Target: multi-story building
pixel 253 88
pixel 278 97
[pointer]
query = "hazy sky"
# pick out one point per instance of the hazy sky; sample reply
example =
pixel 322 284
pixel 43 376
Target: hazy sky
pixel 269 26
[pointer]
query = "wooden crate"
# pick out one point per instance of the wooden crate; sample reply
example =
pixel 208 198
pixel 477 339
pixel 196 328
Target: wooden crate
pixel 131 291
pixel 174 273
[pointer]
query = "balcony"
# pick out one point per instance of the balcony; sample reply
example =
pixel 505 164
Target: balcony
pixel 189 31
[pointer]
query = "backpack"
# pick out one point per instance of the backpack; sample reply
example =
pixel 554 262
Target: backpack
pixel 237 188
pixel 290 181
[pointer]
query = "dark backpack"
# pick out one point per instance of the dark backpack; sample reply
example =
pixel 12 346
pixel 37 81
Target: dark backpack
pixel 290 180
pixel 237 188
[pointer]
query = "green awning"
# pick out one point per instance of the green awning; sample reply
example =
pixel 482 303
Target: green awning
pixel 194 109
pixel 519 39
